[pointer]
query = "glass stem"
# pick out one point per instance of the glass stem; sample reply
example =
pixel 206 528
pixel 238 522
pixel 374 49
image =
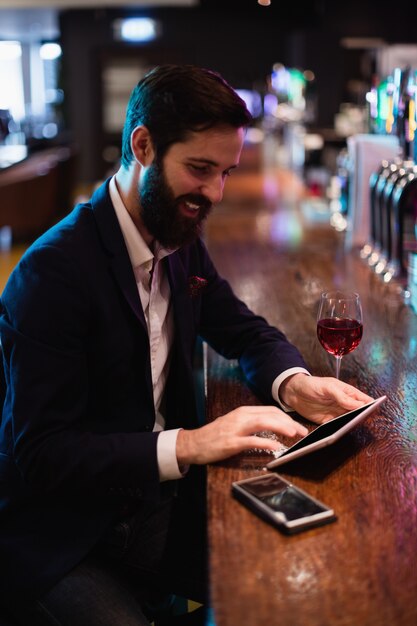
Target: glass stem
pixel 338 361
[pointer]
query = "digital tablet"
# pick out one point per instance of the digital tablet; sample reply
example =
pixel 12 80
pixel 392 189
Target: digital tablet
pixel 326 434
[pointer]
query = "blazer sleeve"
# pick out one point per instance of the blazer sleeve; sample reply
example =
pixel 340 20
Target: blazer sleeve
pixel 236 332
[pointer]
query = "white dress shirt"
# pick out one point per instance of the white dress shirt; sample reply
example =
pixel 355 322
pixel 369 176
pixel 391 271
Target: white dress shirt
pixel 155 296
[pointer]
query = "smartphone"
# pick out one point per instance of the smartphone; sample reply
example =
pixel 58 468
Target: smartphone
pixel 281 503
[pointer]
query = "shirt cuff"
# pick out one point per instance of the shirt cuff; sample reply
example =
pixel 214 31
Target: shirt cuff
pixel 167 456
pixel 278 382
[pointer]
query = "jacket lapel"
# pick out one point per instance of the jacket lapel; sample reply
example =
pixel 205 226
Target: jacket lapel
pixel 181 300
pixel 181 407
pixel 116 250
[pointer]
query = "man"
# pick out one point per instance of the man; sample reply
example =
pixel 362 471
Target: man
pixel 100 442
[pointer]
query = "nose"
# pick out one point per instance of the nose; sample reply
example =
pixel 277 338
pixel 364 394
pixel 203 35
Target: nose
pixel 213 189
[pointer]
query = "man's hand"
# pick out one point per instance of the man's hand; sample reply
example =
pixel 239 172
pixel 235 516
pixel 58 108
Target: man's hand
pixel 319 399
pixel 233 433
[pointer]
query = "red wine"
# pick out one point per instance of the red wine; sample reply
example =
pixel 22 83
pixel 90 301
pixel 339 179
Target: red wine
pixel 339 335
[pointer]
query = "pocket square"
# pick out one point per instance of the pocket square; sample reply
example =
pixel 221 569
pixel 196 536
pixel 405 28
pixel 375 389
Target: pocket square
pixel 196 284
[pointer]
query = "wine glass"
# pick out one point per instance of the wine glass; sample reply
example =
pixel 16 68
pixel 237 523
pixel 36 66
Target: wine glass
pixel 339 323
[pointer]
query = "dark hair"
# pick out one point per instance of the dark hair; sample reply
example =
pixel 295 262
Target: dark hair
pixel 172 100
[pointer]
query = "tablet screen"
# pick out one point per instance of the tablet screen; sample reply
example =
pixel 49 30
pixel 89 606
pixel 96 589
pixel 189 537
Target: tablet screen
pixel 328 429
pixel 325 430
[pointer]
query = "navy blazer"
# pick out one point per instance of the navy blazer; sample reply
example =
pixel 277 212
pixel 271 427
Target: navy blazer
pixel 76 435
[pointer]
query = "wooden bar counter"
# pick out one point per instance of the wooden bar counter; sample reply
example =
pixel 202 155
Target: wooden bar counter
pixel 279 253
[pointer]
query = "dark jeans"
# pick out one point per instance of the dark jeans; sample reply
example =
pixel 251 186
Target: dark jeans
pixel 130 577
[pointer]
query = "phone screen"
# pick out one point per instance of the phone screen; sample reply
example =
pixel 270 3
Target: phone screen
pixel 282 497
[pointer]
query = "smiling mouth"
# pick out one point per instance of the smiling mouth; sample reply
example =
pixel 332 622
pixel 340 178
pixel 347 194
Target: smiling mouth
pixel 190 209
pixel 192 206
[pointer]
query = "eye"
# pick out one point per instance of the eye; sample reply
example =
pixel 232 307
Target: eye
pixel 227 173
pixel 201 170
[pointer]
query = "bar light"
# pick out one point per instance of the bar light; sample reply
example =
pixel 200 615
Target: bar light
pixel 136 29
pixel 50 51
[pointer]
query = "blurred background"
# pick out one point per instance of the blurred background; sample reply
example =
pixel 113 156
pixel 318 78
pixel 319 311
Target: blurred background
pixel 309 71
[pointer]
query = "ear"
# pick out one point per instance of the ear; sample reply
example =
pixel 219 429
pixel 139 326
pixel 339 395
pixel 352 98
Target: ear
pixel 142 146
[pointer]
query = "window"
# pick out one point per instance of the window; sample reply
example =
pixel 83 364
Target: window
pixel 11 79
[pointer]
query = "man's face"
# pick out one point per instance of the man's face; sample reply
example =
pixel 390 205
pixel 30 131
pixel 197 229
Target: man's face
pixel 177 195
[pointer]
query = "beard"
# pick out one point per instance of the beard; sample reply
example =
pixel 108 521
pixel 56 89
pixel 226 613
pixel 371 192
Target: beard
pixel 160 210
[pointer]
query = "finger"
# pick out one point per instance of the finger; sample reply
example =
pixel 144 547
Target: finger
pixel 261 409
pixel 350 400
pixel 334 390
pixel 252 412
pixel 261 443
pixel 279 424
pixel 354 391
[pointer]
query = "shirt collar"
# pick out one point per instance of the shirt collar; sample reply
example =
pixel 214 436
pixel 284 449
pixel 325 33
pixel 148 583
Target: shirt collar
pixel 138 250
